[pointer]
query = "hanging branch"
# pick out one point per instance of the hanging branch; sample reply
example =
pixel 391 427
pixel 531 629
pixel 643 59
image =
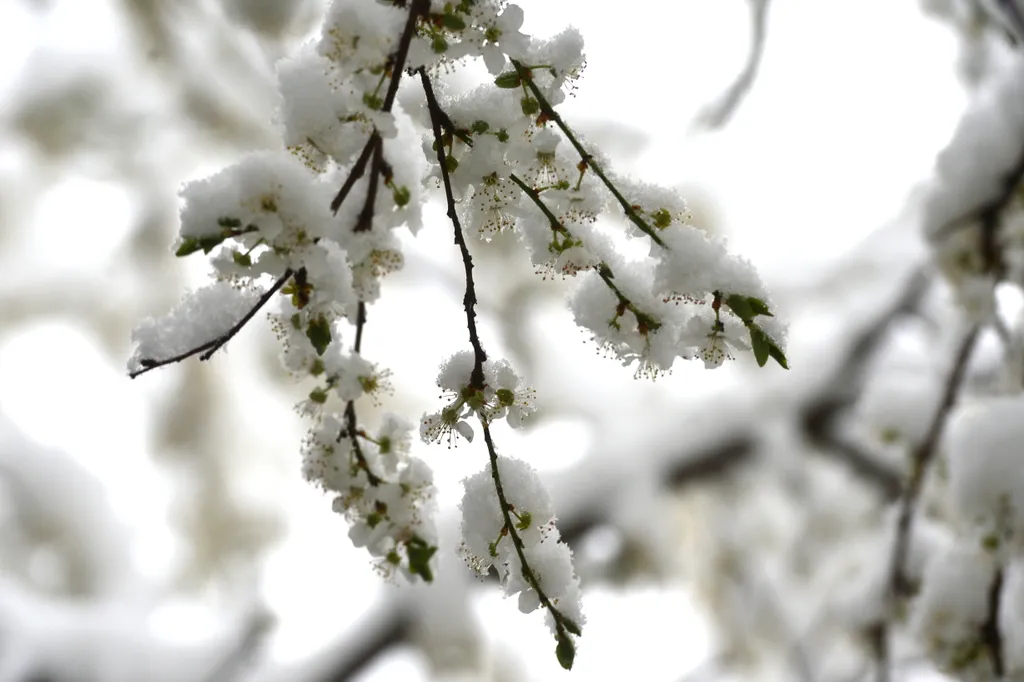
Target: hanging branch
pixel 645 321
pixel 563 626
pixel 374 149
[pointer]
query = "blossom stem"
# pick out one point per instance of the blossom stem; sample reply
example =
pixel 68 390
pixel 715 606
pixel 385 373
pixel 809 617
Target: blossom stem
pixel 563 624
pixel 604 270
pixel 374 148
pixel 586 157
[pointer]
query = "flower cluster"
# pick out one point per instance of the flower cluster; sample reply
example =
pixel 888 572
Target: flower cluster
pixel 318 219
pixel 521 534
pixel 503 396
pixel 516 166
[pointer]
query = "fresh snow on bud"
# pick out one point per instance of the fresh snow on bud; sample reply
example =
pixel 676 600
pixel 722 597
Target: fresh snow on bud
pixel 985 472
pixel 268 196
pixel 488 540
pixel 953 605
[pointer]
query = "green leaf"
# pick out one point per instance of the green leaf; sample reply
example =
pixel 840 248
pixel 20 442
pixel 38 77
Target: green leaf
pixel 759 342
pixel 759 306
pixel 190 245
pixel 242 259
pixel 439 44
pixel 764 347
pixel 451 163
pixel 480 127
pixel 571 626
pixel 741 307
pixel 318 332
pixel 747 307
pixel 778 356
pixel 508 80
pixel 565 651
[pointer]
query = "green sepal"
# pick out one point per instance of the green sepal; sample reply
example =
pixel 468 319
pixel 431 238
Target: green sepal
pixel 439 45
pixel 190 245
pixel 453 22
pixel 480 127
pixel 318 331
pixel 242 259
pixel 529 105
pixel 420 554
pixel 401 195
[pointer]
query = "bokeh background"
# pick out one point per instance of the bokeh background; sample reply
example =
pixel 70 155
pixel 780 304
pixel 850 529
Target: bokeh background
pixel 159 529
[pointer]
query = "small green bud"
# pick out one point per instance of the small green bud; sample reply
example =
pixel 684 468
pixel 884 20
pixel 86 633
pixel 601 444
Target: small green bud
pixel 662 218
pixel 401 195
pixel 508 80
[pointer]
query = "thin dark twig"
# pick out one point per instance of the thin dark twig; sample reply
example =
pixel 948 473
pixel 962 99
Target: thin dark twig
pixel 418 9
pixel 365 221
pixel 921 458
pixel 233 663
pixel 212 346
pixel 990 634
pixel 374 149
pixel 357 172
pixel 469 300
pixel 818 415
pixel 718 114
pixel 562 624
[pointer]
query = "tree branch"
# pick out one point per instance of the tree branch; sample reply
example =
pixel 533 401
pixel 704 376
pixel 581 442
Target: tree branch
pixel 921 459
pixel 718 114
pixel 469 300
pixel 212 346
